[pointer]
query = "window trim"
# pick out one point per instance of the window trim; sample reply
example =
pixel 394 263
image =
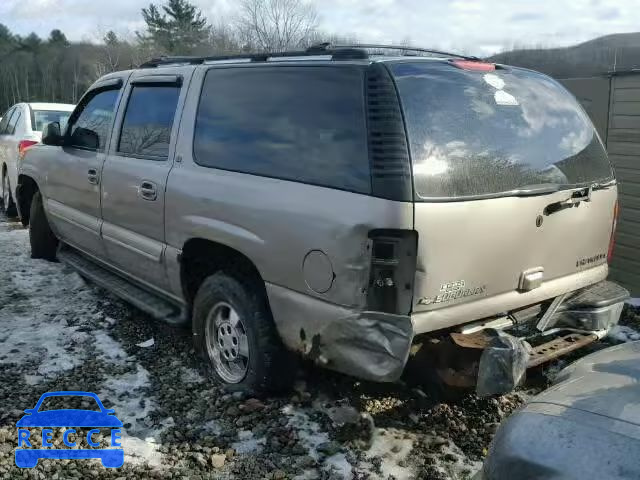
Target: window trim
pixel 19 115
pixel 86 98
pixel 147 82
pixel 9 114
pixel 361 69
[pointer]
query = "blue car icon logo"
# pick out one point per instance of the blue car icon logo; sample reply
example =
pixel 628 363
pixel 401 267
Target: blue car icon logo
pixel 27 456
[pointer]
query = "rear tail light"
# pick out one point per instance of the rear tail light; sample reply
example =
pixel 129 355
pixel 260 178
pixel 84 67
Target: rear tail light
pixel 393 263
pixel 475 65
pixel 23 145
pixel 612 240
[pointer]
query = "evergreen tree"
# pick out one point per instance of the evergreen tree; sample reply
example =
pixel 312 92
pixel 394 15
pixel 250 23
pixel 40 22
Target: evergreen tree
pixel 179 28
pixel 57 38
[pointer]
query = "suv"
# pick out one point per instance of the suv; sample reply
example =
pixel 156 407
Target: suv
pixel 20 128
pixel 335 203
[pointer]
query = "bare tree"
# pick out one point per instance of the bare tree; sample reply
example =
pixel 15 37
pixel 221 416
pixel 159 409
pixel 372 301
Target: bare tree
pixel 276 25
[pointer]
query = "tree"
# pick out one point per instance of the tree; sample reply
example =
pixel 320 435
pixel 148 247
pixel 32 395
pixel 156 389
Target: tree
pixel 56 37
pixel 276 25
pixel 180 29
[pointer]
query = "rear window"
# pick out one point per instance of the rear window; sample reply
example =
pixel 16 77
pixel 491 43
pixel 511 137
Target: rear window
pixel 305 124
pixel 481 133
pixel 43 117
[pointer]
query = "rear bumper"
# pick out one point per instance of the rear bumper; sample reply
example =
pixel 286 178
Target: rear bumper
pixel 376 346
pixel 462 313
pixel 597 307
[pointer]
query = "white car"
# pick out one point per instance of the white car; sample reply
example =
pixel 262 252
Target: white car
pixel 21 127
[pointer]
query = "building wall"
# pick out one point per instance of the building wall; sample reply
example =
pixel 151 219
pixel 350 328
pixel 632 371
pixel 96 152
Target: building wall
pixel 613 103
pixel 623 144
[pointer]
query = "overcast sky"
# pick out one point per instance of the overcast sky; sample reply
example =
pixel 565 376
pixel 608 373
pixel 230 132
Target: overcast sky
pixel 473 26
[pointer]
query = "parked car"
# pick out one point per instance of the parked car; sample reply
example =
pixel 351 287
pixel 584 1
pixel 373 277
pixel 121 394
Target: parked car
pixel 21 127
pixel 331 202
pixel 586 426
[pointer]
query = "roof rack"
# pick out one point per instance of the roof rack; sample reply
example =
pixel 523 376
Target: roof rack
pixel 337 52
pixel 403 48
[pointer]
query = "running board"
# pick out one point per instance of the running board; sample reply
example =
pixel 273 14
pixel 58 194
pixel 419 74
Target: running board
pixel 146 301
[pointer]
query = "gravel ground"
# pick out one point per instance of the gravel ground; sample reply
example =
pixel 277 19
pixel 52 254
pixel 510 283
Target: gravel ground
pixel 59 333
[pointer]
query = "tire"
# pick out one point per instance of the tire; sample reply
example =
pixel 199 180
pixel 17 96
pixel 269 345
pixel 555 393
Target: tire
pixel 44 243
pixel 8 204
pixel 267 365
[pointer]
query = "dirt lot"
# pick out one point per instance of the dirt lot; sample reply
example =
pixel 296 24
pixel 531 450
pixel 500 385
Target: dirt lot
pixel 58 333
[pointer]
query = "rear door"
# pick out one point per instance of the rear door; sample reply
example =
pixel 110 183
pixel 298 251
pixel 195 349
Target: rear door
pixel 497 156
pixel 135 174
pixel 73 184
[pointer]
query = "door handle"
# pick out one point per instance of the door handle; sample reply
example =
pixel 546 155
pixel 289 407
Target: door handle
pixel 148 190
pixel 92 175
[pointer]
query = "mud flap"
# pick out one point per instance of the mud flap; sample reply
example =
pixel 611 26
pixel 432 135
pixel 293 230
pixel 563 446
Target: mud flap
pixel 369 345
pixel 503 364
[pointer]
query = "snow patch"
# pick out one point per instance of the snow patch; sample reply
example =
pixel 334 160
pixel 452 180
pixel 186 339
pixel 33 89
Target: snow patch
pixel 622 333
pixel 109 349
pixel 247 443
pixel 190 375
pixel 392 447
pixel 311 436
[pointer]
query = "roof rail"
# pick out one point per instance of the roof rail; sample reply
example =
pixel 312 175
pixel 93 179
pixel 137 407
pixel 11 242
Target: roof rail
pixel 337 52
pixel 405 48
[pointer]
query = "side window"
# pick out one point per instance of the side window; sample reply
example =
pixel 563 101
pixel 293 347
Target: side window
pixel 5 120
pixel 15 118
pixel 89 128
pixel 146 128
pixel 305 124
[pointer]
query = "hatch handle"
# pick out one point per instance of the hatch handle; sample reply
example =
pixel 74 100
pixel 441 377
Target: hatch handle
pixel 577 196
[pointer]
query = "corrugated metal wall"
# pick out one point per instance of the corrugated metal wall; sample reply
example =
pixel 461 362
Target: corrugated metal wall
pixel 623 143
pixel 613 103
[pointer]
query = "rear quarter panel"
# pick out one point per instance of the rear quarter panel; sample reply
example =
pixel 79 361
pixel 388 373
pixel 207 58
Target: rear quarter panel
pixel 275 223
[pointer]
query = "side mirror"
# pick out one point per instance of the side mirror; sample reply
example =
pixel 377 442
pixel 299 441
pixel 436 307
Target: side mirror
pixel 85 138
pixel 51 134
pixel 30 410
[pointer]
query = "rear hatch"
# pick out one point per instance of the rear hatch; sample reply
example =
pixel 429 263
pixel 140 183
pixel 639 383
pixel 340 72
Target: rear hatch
pixel 513 188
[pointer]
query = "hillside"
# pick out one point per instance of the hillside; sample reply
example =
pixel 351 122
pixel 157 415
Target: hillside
pixel 594 57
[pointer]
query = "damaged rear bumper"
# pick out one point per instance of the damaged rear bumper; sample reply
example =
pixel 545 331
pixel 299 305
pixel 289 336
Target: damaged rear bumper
pixel 368 345
pixel 375 346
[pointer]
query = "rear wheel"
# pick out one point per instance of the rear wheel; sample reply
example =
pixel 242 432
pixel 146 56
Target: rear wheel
pixel 8 204
pixel 44 243
pixel 234 332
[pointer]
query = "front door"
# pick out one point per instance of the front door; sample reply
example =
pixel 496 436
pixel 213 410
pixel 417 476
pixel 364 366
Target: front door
pixel 73 186
pixel 135 175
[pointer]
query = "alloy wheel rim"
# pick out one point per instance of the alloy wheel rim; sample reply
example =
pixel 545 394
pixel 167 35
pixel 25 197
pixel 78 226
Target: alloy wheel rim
pixel 227 343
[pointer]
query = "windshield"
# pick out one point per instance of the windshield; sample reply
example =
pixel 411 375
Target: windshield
pixel 481 133
pixel 64 402
pixel 43 117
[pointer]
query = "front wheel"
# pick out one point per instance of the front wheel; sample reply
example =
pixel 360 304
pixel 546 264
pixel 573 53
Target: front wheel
pixel 44 243
pixel 235 333
pixel 7 199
